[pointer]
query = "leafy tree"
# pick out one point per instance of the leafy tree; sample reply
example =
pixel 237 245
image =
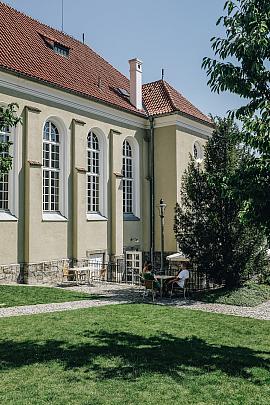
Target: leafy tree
pixel 8 119
pixel 208 226
pixel 242 67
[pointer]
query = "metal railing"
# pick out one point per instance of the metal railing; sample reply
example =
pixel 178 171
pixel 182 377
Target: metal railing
pixel 119 273
pixel 56 272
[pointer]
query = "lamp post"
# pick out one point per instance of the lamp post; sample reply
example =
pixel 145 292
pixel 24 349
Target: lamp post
pixel 162 207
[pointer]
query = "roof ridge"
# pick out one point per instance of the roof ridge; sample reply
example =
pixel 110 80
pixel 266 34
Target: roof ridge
pixel 155 81
pixel 61 33
pixel 169 87
pixel 169 95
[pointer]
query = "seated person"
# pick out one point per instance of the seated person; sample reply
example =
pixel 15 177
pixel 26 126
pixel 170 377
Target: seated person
pixel 181 277
pixel 148 275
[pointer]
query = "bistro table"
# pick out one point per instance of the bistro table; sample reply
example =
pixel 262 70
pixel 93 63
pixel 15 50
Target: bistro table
pixel 82 274
pixel 161 278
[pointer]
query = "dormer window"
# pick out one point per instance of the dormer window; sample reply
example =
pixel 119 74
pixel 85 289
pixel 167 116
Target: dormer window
pixel 56 46
pixel 61 49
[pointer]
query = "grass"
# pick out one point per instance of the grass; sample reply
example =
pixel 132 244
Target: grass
pixel 250 295
pixel 134 354
pixel 11 296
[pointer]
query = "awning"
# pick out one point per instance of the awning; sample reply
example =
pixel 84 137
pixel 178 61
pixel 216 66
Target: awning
pixel 177 257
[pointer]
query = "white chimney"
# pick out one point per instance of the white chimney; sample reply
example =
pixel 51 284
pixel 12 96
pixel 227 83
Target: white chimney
pixel 136 82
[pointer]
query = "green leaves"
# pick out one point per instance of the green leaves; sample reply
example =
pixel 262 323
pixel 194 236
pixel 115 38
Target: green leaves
pixel 8 119
pixel 242 67
pixel 8 116
pixel 5 158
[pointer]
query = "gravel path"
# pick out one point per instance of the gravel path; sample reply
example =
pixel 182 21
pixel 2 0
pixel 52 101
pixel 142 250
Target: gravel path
pixel 121 294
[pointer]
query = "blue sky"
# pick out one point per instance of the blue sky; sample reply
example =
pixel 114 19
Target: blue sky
pixel 173 34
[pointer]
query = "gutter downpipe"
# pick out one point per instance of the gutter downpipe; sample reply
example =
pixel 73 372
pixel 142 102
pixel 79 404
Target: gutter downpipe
pixel 152 191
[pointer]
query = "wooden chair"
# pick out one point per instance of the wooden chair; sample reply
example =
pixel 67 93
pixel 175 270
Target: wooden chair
pixel 67 274
pixel 149 286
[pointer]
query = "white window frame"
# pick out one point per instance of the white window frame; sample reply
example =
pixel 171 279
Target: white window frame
pixel 136 179
pixel 199 158
pixel 92 174
pixel 101 215
pixel 62 214
pixel 133 265
pixel 11 214
pixel 128 163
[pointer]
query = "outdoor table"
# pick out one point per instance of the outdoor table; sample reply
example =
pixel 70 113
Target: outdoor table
pixel 161 278
pixel 82 270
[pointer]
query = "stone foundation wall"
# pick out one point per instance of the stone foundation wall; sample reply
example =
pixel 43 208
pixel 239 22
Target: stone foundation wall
pixel 49 273
pixel 10 274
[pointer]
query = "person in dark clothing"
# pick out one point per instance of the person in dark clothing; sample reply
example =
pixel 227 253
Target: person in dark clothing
pixel 148 275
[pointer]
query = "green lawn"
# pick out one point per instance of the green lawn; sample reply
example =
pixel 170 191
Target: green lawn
pixel 250 295
pixel 11 296
pixel 134 354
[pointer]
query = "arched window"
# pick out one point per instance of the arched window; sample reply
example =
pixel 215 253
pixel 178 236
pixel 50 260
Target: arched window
pixel 128 179
pixel 93 174
pixel 51 167
pixel 197 151
pixel 4 179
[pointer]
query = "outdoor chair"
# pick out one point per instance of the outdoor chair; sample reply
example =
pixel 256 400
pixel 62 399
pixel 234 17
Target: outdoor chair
pixel 67 274
pixel 98 274
pixel 82 276
pixel 176 288
pixel 149 286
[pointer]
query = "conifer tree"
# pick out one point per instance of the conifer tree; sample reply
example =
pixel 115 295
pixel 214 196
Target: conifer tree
pixel 208 224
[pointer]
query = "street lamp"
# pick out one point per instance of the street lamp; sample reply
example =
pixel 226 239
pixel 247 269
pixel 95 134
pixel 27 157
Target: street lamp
pixel 162 207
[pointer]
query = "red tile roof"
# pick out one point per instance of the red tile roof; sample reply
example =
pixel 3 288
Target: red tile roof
pixel 26 48
pixel 161 98
pixel 23 49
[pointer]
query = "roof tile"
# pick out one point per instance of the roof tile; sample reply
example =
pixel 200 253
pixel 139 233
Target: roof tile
pixel 26 48
pixel 161 98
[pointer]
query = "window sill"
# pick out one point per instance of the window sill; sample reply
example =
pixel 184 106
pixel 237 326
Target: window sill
pixel 130 217
pixel 96 217
pixel 7 216
pixel 53 217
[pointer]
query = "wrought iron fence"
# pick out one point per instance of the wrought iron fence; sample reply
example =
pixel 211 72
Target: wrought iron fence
pixel 59 271
pixel 119 273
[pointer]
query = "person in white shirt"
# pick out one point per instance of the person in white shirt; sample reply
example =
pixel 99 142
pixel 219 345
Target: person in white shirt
pixel 181 277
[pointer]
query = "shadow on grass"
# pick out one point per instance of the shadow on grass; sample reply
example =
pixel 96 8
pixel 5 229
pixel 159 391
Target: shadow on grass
pixel 213 296
pixel 120 293
pixel 127 356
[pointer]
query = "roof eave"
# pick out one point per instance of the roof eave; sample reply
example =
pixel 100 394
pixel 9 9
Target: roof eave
pixel 77 93
pixel 178 112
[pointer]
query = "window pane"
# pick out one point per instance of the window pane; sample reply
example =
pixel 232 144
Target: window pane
pixel 93 168
pixel 51 167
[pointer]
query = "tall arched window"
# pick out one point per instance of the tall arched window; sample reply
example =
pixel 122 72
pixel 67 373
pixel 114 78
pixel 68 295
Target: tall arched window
pixel 197 151
pixel 93 174
pixel 128 186
pixel 51 167
pixel 4 179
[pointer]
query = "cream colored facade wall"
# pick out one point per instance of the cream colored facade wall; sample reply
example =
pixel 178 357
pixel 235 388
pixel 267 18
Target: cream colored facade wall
pixel 173 147
pixel 8 245
pixel 34 238
pixel 184 148
pixel 165 183
pixel 44 240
